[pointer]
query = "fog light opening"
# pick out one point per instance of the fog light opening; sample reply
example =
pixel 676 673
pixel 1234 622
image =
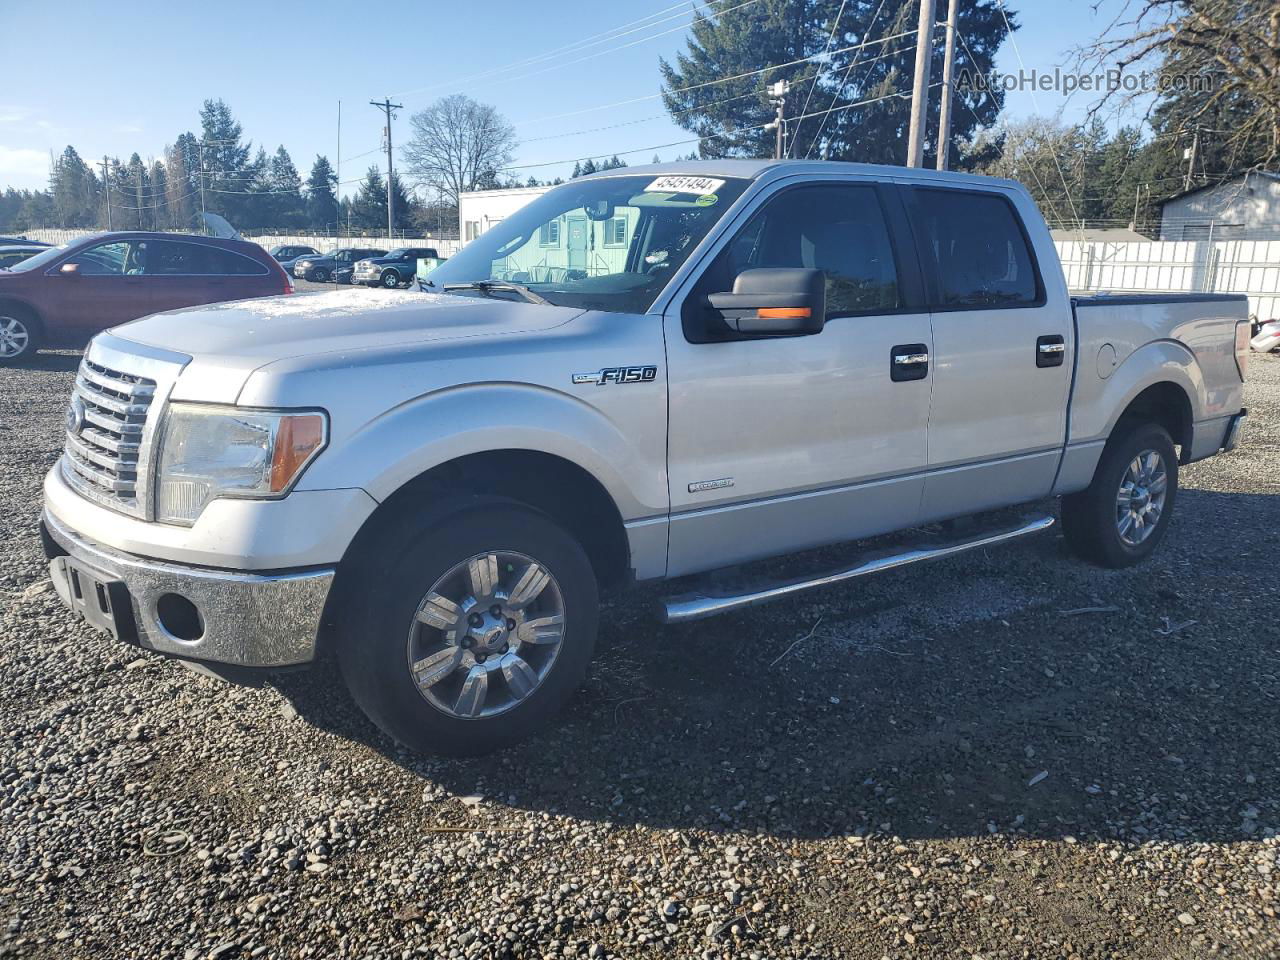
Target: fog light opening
pixel 179 617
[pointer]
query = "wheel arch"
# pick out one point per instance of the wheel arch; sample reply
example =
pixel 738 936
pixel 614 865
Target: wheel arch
pixel 1164 403
pixel 26 306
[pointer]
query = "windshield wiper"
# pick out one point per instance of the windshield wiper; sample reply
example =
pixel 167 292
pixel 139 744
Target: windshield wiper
pixel 488 286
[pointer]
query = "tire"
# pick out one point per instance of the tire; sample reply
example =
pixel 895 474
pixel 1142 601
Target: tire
pixel 20 336
pixel 319 276
pixel 1140 464
pixel 386 623
pixel 390 279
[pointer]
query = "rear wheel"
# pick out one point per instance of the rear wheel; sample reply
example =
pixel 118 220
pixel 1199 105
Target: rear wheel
pixel 1123 515
pixel 468 632
pixel 19 336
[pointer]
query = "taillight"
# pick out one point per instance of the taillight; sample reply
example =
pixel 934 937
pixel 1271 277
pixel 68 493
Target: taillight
pixel 288 284
pixel 1242 348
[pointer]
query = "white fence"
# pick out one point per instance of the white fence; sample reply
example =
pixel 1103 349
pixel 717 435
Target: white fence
pixel 446 247
pixel 1251 267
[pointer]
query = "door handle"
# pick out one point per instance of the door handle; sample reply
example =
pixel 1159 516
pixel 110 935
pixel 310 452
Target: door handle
pixel 1050 350
pixel 909 361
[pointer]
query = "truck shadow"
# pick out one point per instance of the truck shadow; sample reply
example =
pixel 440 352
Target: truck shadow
pixel 1016 691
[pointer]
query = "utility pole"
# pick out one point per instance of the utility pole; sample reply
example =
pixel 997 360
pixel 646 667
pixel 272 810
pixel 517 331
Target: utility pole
pixel 920 93
pixel 387 106
pixel 778 97
pixel 106 183
pixel 337 175
pixel 948 86
pixel 201 145
pixel 1191 159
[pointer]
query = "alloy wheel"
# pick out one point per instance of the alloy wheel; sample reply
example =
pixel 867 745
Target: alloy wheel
pixel 1141 498
pixel 14 337
pixel 486 635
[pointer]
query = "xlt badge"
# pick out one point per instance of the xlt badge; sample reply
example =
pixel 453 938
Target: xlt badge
pixel 618 375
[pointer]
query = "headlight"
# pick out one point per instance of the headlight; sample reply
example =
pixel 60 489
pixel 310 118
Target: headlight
pixel 209 452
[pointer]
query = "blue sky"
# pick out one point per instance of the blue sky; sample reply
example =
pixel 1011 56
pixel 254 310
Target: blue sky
pixel 131 78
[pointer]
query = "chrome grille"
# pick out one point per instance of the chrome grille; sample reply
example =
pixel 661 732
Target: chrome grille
pixel 105 428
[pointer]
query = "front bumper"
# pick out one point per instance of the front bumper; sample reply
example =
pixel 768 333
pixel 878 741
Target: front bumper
pixel 245 619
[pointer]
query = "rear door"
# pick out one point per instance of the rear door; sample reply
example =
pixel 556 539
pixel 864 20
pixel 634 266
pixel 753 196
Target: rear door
pixel 1002 350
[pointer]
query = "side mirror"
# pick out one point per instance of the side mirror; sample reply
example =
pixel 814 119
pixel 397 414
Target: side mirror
pixel 774 302
pixel 69 270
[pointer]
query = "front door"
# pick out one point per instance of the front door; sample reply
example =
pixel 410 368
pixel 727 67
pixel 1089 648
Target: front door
pixel 1002 354
pixel 578 227
pixel 791 442
pixel 106 289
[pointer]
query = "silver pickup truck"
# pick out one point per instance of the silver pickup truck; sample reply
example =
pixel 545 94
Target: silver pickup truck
pixel 656 372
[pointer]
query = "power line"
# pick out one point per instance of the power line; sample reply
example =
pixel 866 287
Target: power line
pixel 835 25
pixel 468 83
pixel 845 79
pixel 602 37
pixel 707 83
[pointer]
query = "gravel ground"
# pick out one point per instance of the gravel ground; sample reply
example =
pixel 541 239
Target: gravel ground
pixel 1008 754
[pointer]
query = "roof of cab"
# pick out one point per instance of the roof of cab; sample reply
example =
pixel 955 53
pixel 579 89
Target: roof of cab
pixel 756 169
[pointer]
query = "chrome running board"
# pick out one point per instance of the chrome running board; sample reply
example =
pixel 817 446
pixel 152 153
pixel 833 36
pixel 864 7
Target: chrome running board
pixel 708 602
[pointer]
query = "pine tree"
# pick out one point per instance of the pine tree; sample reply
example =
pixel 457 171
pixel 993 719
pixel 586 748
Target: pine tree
pixel 73 190
pixel 370 206
pixel 228 172
pixel 850 104
pixel 182 197
pixel 159 214
pixel 322 204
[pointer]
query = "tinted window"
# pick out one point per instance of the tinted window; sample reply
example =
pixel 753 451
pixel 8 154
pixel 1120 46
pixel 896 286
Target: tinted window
pixel 168 258
pixel 839 230
pixel 230 263
pixel 981 257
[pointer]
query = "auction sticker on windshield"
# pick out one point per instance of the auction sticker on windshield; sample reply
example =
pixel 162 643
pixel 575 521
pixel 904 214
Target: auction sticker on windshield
pixel 699 185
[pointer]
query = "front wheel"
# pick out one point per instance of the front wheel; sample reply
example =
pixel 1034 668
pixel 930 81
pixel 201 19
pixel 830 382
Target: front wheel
pixel 1123 515
pixel 19 337
pixel 320 276
pixel 390 279
pixel 469 633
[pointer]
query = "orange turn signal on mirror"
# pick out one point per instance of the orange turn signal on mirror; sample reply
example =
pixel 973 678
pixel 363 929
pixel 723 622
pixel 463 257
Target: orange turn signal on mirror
pixel 784 313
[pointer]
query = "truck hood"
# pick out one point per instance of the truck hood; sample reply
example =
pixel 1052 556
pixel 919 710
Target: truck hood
pixel 228 341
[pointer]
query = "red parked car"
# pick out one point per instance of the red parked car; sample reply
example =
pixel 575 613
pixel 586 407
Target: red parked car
pixel 63 296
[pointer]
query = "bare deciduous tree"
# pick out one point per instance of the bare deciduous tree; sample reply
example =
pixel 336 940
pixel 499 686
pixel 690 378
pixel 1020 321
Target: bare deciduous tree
pixel 458 145
pixel 1235 42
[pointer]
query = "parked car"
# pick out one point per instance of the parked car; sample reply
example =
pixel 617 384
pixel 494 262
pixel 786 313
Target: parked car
pixel 758 358
pixel 287 252
pixel 1268 337
pixel 11 241
pixel 394 269
pixel 16 253
pixel 322 269
pixel 62 296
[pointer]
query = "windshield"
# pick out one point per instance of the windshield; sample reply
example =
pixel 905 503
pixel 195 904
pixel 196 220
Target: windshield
pixel 609 244
pixel 400 254
pixel 41 259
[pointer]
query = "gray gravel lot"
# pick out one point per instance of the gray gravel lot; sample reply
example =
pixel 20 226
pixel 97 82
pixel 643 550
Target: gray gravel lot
pixel 1003 755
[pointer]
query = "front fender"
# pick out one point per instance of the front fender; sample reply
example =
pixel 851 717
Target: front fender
pixel 406 441
pixel 1098 404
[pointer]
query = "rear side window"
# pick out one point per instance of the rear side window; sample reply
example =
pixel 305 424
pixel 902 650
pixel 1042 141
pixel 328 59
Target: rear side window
pixel 232 264
pixel 980 254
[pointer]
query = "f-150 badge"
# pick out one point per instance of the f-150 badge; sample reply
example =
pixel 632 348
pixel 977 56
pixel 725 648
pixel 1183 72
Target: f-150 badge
pixel 617 375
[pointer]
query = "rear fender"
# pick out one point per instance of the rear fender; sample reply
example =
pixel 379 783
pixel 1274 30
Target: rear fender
pixel 1097 405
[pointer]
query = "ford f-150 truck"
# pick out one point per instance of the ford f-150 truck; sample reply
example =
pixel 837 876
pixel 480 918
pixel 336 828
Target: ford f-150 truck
pixel 649 373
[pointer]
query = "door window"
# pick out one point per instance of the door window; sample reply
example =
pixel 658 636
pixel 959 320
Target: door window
pixel 840 230
pixel 980 254
pixel 105 259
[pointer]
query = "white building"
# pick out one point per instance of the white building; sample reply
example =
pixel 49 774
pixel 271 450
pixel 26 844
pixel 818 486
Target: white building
pixel 1246 207
pixel 480 210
